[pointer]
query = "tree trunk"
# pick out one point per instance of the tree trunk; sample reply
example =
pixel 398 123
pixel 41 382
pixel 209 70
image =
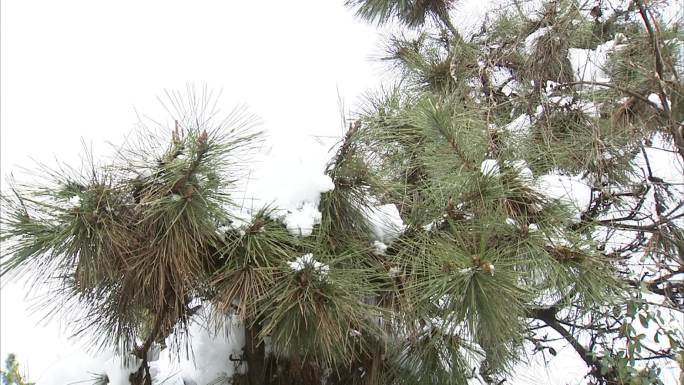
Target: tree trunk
pixel 255 354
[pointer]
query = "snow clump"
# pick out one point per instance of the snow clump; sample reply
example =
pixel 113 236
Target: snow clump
pixel 386 226
pixel 569 189
pixel 490 167
pixel 307 260
pixel 589 64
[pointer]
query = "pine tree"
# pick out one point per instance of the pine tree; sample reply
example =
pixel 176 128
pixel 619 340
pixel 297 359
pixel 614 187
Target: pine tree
pixel 486 263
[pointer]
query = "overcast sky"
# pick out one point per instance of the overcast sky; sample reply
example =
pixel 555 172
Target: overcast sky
pixel 76 69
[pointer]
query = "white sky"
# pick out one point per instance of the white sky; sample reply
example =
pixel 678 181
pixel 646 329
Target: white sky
pixel 75 69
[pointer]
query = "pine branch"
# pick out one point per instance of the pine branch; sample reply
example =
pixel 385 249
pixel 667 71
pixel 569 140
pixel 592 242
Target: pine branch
pixel 676 130
pixel 548 316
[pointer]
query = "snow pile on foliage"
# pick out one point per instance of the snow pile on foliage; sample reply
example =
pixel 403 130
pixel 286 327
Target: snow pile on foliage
pixel 589 64
pixel 520 125
pixel 308 261
pixel 503 77
pixel 472 13
pixel 386 226
pixel 489 167
pixel 386 223
pixel 532 39
pixel 291 182
pixel 569 189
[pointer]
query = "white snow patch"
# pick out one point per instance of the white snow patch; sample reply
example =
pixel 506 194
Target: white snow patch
pixel 655 99
pixel 75 200
pixel 432 225
pixel 531 39
pixel 471 14
pixel 588 64
pixel 550 86
pixel 210 353
pixel 587 107
pixel 385 222
pixel 502 77
pixel 520 125
pixel 145 173
pixel 522 168
pixel 292 183
pixel 379 248
pixel 510 87
pixel 590 108
pixel 301 220
pixel 240 220
pixel 490 167
pixel 561 101
pixel 307 260
pixel 569 189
